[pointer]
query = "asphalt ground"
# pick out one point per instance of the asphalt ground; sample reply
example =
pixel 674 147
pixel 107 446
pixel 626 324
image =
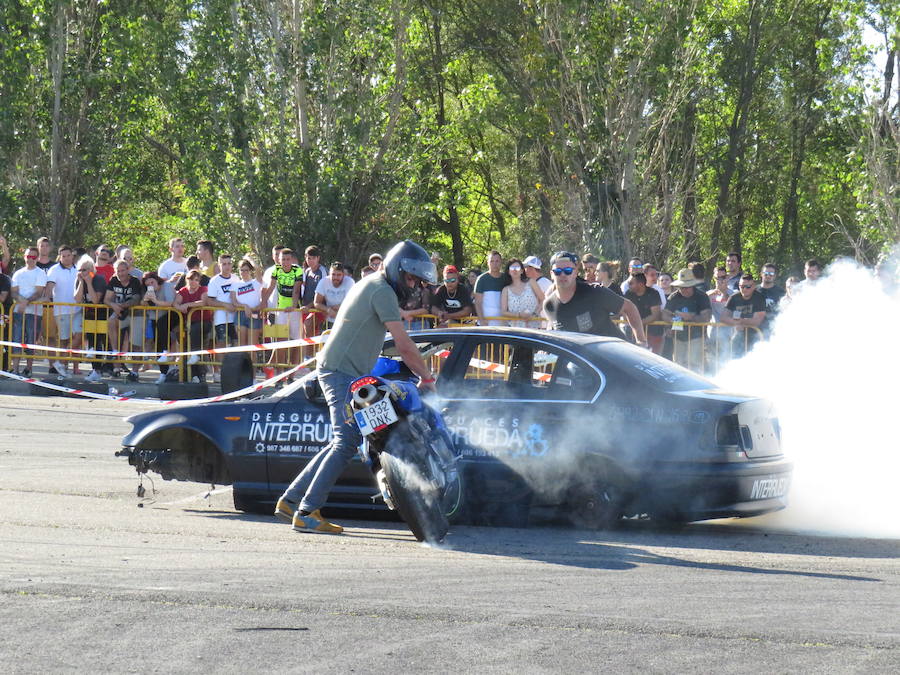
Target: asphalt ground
pixel 94 578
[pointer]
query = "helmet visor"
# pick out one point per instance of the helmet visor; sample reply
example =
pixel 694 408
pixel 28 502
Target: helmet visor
pixel 424 269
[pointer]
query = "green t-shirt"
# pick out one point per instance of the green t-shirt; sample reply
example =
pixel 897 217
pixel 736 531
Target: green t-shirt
pixel 285 284
pixel 358 334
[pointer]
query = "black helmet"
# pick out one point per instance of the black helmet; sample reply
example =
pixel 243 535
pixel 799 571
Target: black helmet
pixel 408 256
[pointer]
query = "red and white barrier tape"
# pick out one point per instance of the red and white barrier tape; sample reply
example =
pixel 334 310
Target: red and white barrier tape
pixel 91 353
pixel 129 399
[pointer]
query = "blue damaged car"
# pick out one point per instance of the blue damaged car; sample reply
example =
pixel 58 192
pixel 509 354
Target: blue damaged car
pixel 594 428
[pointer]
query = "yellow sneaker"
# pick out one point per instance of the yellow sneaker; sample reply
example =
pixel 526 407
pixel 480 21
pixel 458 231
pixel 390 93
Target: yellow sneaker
pixel 314 522
pixel 285 510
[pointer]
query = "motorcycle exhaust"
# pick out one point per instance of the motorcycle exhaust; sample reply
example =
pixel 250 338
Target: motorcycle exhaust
pixel 365 396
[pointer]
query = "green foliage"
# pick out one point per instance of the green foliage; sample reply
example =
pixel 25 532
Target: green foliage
pixel 672 130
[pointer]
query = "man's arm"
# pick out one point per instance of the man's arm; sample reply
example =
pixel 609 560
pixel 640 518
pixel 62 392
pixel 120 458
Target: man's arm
pixel 320 303
pixel 48 290
pixel 410 354
pixel 654 315
pixel 267 291
pixel 297 294
pixel 633 317
pixel 479 304
pixel 109 299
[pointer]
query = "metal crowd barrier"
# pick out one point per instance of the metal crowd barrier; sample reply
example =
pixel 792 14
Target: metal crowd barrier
pixel 88 326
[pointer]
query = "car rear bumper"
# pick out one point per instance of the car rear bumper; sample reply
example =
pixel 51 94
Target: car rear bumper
pixel 703 491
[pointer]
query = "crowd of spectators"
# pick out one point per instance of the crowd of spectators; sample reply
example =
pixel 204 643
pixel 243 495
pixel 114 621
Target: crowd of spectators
pixel 734 310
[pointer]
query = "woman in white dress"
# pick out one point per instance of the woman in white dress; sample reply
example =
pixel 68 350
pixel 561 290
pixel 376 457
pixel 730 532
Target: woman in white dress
pixel 519 297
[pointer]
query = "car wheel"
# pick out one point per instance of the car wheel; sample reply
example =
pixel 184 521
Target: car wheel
pixel 597 506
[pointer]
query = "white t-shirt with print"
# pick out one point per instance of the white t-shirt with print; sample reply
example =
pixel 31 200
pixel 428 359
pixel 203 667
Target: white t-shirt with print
pixel 248 293
pixel 219 288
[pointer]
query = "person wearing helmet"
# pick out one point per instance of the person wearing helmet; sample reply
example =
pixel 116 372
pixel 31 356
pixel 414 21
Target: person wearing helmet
pixel 371 307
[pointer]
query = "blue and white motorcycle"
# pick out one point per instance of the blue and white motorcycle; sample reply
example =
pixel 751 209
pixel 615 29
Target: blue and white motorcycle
pixel 410 451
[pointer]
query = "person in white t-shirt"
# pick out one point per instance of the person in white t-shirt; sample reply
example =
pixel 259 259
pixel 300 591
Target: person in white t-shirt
pixel 218 295
pixel 331 291
pixel 177 263
pixel 60 288
pixel 267 276
pixel 246 297
pixel 28 286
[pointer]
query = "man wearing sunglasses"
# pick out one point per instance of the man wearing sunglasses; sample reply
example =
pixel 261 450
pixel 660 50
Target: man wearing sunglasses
pixel 452 300
pixel 746 311
pixel 578 306
pixel 28 285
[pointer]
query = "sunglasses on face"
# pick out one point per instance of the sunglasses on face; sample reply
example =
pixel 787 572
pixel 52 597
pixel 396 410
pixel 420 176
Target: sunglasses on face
pixel 768 274
pixel 450 280
pixel 746 285
pixel 515 268
pixel 722 278
pixel 563 270
pixel 30 257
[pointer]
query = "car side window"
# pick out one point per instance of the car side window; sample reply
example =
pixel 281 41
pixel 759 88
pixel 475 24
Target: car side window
pixel 573 381
pixel 510 370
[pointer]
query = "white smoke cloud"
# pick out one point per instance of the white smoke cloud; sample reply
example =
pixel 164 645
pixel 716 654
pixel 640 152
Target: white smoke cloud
pixel 832 367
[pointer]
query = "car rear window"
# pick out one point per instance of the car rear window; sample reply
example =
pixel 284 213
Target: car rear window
pixel 648 367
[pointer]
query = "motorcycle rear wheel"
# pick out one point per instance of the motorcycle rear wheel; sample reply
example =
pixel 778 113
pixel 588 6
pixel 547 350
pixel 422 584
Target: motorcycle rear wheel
pixel 413 487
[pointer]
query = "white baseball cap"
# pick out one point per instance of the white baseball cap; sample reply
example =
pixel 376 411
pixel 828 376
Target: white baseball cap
pixel 533 261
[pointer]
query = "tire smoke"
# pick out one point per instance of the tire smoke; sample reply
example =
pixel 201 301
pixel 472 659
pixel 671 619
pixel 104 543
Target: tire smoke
pixel 832 368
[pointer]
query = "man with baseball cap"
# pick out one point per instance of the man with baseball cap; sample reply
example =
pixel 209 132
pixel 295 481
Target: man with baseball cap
pixel 533 271
pixel 451 301
pixel 576 305
pixel 687 304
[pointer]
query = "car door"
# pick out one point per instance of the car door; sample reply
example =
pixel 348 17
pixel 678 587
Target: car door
pixel 290 431
pixel 523 404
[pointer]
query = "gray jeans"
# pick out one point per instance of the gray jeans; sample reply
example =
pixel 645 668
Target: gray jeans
pixel 319 476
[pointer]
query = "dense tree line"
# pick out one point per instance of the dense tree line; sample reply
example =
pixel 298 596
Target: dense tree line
pixel 670 129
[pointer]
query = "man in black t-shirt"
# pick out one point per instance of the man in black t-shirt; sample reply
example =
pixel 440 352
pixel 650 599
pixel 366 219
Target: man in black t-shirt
pixel 745 310
pixel 649 306
pixel 124 292
pixel 687 305
pixel 451 301
pixel 577 306
pixel 771 293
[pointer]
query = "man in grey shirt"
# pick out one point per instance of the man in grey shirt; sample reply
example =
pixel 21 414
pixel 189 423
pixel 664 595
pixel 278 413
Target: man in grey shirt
pixel 370 309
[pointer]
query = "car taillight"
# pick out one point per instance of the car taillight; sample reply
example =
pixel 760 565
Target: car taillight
pixel 362 382
pixel 728 431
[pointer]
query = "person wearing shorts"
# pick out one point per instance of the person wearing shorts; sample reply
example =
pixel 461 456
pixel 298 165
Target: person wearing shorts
pixel 28 286
pixel 122 294
pixel 60 290
pixel 246 297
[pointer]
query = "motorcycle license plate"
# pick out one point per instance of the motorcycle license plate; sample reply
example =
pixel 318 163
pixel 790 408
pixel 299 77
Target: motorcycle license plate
pixel 375 417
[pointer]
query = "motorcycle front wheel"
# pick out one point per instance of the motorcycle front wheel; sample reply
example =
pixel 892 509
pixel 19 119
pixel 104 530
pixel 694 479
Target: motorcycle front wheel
pixel 414 488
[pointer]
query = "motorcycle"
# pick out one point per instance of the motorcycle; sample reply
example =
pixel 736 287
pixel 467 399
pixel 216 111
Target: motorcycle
pixel 409 449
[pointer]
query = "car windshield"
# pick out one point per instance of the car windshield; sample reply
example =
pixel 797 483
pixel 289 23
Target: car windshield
pixel 649 367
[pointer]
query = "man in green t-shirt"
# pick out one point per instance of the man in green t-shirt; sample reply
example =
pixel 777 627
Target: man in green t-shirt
pixel 287 285
pixel 370 308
